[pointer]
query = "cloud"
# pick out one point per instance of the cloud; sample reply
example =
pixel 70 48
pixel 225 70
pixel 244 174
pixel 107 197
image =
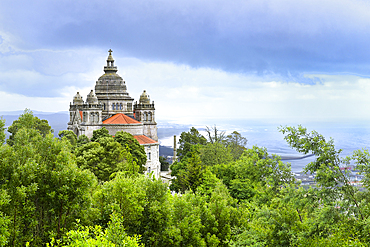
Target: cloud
pixel 286 38
pixel 204 95
pixel 198 60
pixel 44 73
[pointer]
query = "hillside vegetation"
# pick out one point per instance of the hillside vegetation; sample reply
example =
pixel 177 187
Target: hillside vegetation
pixel 71 191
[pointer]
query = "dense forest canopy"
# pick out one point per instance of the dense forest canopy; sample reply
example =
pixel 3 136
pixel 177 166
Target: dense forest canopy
pixel 71 191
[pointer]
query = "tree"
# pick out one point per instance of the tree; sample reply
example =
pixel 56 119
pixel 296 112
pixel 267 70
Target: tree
pixel 100 133
pixel 82 140
pixel 333 184
pixel 204 219
pixel 5 220
pixel 215 135
pixel 236 144
pixel 2 131
pixel 187 221
pixel 215 153
pixel 133 146
pixel 255 174
pixel 46 189
pixel 103 158
pixel 27 120
pixel 70 135
pixel 113 235
pixel 164 163
pixel 189 172
pixel 187 139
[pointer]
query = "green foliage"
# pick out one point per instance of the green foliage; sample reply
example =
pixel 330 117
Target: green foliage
pixel 82 140
pixel 215 153
pixel 165 166
pixel 70 135
pixel 4 219
pixel 205 220
pixel 27 120
pixel 133 146
pixel 235 143
pixel 226 200
pixel 333 185
pixel 46 189
pixel 141 203
pixel 104 158
pixel 255 174
pixel 2 131
pixel 189 172
pixel 187 139
pixel 113 235
pixel 100 133
pixel 187 221
pixel 333 213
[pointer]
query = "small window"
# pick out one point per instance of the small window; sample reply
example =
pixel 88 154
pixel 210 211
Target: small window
pixel 104 106
pixel 149 170
pixel 149 154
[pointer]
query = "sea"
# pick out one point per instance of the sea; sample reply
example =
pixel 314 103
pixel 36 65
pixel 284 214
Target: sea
pixel 347 135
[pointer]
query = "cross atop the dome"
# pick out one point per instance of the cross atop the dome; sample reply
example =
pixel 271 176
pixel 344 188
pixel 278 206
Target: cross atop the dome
pixel 110 51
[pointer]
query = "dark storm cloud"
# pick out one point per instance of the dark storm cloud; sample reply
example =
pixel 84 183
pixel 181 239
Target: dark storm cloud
pixel 268 38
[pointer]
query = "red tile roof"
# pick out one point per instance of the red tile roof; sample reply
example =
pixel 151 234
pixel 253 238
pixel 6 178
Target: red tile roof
pixel 142 139
pixel 120 118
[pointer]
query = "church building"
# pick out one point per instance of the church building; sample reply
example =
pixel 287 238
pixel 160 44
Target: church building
pixel 112 107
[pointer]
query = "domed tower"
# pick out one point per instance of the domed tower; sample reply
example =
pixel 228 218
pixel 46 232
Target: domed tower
pixel 144 112
pixel 92 111
pixel 111 91
pixel 75 114
pixel 85 117
pixel 77 99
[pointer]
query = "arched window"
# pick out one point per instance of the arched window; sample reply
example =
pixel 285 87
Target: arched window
pixel 104 106
pixel 97 117
pixel 120 106
pixel 149 116
pixel 145 116
pixel 113 105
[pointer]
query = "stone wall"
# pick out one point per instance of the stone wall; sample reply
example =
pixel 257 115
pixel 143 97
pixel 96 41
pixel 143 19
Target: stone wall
pixel 88 129
pixel 150 130
pixel 133 129
pixel 152 163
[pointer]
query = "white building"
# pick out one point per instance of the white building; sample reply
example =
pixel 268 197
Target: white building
pixel 112 107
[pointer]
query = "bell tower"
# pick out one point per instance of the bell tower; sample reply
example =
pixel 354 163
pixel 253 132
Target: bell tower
pixel 144 112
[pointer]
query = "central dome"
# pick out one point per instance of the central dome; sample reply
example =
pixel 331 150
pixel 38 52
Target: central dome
pixel 111 91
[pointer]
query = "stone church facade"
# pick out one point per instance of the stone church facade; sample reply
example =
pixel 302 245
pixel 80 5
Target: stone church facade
pixel 112 107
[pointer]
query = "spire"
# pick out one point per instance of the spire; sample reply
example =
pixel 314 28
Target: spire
pixel 110 68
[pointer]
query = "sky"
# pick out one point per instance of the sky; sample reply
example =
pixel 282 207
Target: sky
pixel 200 61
